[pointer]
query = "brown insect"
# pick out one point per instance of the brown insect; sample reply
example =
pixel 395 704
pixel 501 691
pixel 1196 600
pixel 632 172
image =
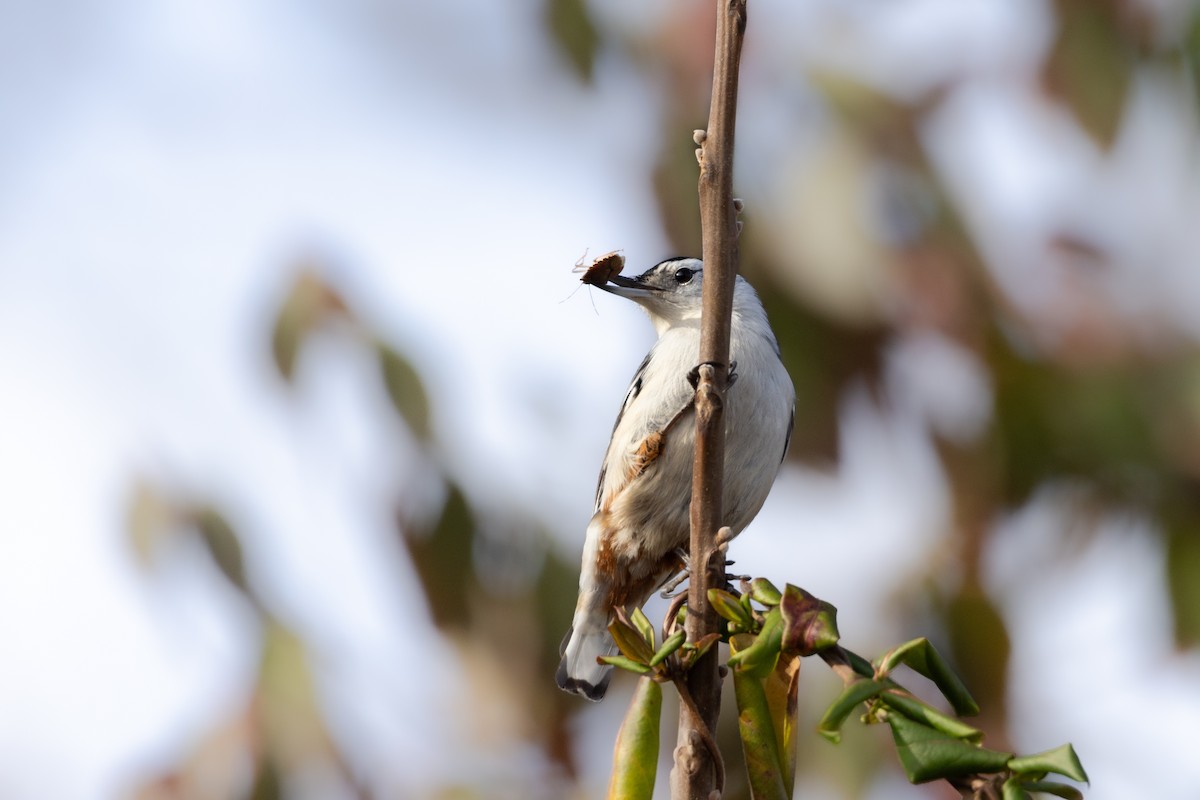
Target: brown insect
pixel 603 269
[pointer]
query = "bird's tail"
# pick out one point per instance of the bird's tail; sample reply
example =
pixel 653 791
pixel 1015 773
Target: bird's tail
pixel 579 672
pixel 588 638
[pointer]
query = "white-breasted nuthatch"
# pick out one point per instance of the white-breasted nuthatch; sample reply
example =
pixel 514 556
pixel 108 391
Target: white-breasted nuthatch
pixel 643 503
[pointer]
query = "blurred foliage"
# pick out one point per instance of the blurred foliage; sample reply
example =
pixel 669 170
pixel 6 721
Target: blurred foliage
pixel 571 28
pixel 854 245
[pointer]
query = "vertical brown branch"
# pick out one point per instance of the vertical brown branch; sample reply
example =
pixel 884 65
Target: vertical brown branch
pixel 694 775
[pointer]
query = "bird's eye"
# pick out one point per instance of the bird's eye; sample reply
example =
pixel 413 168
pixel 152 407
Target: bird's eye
pixel 684 275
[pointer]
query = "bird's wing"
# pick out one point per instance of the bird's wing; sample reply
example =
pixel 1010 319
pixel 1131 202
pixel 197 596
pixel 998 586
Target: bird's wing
pixel 635 388
pixel 787 440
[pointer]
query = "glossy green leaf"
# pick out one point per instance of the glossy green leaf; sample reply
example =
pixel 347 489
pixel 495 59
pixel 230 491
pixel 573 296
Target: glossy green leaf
pixel 630 641
pixel 920 712
pixel 927 754
pixel 764 761
pixel 759 658
pixel 924 658
pixel 643 625
pixel 1054 788
pixel 673 643
pixel 627 663
pixel 764 592
pixel 844 704
pixel 635 757
pixel 782 688
pixel 1061 760
pixel 729 606
pixel 1014 790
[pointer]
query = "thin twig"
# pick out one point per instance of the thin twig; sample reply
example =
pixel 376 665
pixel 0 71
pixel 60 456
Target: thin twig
pixel 718 221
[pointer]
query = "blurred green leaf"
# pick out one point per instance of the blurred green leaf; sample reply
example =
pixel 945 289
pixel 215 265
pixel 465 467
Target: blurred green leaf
pixel 149 519
pixel 443 558
pixel 405 390
pixel 293 725
pixel 268 784
pixel 1091 423
pixel 572 29
pixel 823 357
pixel 1091 64
pixel 223 544
pixel 980 645
pixel 309 304
pixel 635 757
pixel 927 754
pixel 1183 575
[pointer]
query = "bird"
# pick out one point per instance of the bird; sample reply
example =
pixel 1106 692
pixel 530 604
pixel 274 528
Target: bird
pixel 640 527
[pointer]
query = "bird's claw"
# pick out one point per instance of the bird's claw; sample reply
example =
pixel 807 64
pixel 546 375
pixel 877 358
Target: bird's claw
pixel 693 376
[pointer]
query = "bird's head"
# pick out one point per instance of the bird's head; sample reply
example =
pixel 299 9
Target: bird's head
pixel 671 292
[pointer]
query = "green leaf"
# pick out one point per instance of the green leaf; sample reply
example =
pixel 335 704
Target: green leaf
pixel 639 620
pixel 730 607
pixel 920 712
pixel 923 657
pixel 979 644
pixel 809 624
pixel 630 642
pixel 693 652
pixel 764 763
pixel 764 592
pixel 1061 760
pixel 782 688
pixel 927 754
pixel 1013 790
pixel 574 34
pixel 844 704
pixel 626 663
pixel 673 643
pixel 635 757
pixel 405 390
pixel 759 658
pixel 1054 788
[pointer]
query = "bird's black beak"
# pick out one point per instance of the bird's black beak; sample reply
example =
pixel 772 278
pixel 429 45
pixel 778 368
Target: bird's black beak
pixel 630 288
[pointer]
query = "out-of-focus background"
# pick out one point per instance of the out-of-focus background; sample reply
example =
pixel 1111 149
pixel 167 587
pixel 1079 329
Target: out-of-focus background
pixel 302 405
